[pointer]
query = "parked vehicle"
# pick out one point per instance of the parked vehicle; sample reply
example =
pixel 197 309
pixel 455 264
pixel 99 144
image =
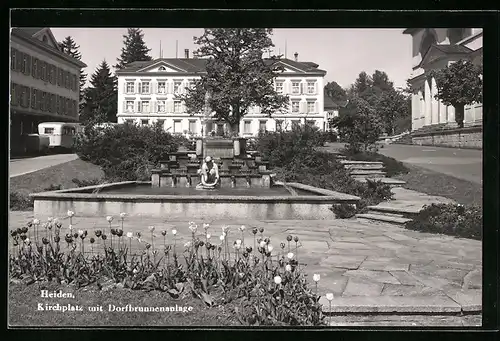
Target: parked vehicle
pixel 61 135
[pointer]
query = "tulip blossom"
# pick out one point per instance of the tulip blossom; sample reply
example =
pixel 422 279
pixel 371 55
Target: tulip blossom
pixel 193 228
pixel 174 232
pixel 222 237
pixel 151 228
pixel 206 226
pixel 130 234
pixel 109 218
pixel 288 267
pixel 262 244
pixel 123 215
pixel 242 228
pixel 316 277
pixel 290 255
pixel 225 229
pixel 329 296
pixel 80 232
pixel 208 236
pixel 270 248
pixel 49 219
pixel 70 213
pixel 277 280
pixel 36 221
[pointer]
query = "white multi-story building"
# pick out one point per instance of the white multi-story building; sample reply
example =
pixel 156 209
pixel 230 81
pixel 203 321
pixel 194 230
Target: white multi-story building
pixel 147 93
pixel 44 83
pixel 435 48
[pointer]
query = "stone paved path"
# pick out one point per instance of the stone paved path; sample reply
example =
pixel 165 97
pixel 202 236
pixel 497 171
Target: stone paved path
pixel 370 267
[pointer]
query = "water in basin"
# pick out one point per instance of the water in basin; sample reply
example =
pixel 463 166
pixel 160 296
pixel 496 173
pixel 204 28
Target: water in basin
pixel 146 189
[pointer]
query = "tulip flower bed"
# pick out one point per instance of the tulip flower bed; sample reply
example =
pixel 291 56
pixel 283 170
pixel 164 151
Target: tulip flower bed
pixel 260 284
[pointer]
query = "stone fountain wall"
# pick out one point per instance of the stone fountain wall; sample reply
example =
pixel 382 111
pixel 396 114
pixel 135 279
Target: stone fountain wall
pixel 236 167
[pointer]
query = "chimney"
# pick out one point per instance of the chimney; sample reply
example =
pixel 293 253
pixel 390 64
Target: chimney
pixel 186 53
pixel 296 55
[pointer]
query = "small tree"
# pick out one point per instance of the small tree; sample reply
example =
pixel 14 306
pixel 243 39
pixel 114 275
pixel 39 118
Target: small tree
pixel 69 47
pixel 134 48
pixel 459 84
pixel 100 99
pixel 335 92
pixel 359 125
pixel 237 77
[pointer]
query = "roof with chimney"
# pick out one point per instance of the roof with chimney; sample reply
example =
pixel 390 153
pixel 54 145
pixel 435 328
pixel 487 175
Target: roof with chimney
pixel 198 65
pixel 35 35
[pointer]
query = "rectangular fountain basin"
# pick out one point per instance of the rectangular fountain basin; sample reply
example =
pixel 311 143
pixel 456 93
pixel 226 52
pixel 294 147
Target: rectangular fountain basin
pixel 283 201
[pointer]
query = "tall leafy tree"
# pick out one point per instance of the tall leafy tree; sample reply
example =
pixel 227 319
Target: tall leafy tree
pixel 381 82
pixel 100 97
pixel 69 47
pixel 459 84
pixel 237 76
pixel 335 92
pixel 392 107
pixel 134 48
pixel 363 86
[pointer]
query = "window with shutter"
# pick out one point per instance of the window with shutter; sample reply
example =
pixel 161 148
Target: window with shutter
pixel 33 98
pixel 19 60
pixel 28 65
pixel 13 53
pixel 13 99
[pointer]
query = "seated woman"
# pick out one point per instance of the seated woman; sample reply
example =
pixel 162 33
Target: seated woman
pixel 209 174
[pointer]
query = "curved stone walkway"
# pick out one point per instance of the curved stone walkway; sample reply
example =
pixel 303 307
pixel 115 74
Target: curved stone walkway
pixel 370 267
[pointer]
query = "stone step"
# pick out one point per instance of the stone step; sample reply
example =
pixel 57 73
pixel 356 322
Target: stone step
pixel 388 214
pixel 405 211
pixel 353 162
pixel 364 166
pixel 383 218
pixel 389 181
pixel 366 171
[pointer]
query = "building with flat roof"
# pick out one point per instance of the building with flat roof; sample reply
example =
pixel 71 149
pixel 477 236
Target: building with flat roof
pixel 147 93
pixel 44 83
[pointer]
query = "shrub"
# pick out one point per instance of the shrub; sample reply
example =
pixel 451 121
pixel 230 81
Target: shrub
pixel 392 166
pixel 126 151
pixel 20 201
pixel 451 219
pixel 344 211
pixel 280 148
pixel 85 183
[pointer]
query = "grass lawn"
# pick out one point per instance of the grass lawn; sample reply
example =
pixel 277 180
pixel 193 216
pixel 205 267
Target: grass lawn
pixel 24 301
pixel 61 174
pixel 433 183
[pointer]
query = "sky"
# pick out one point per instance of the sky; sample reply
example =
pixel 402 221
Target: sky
pixel 342 53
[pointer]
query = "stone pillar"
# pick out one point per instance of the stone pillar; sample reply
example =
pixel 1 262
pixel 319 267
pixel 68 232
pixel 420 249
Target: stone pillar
pixel 421 104
pixel 451 115
pixel 442 112
pixel 435 102
pixel 428 104
pixel 236 147
pixel 415 111
pixel 199 147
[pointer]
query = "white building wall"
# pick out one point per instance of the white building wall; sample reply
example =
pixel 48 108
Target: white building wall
pixel 318 115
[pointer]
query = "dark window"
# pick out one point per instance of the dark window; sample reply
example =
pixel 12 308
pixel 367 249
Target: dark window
pixel 66 80
pixel 52 74
pixel 48 131
pixel 13 98
pixel 58 104
pixel 44 39
pixel 19 60
pixel 39 70
pixel 47 102
pixel 34 93
pixel 75 86
pixel 13 53
pixel 28 65
pixel 52 103
pixel 23 62
pixel 59 77
pixel 34 69
pixel 39 100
